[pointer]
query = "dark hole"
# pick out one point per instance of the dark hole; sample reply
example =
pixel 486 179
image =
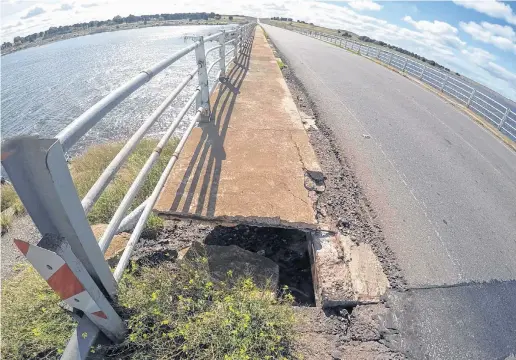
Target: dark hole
pixel 49 267
pixel 286 247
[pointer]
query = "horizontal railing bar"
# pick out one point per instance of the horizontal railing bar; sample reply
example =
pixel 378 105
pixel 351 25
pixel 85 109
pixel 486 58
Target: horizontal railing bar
pixel 214 37
pixel 472 106
pixel 459 87
pixel 493 100
pixel 491 105
pixel 215 62
pixel 108 174
pixel 455 94
pixel 431 81
pixel 486 109
pixel 434 78
pixel 69 135
pixel 125 224
pixel 212 49
pixel 512 127
pixel 135 236
pixel 458 82
pixel 140 178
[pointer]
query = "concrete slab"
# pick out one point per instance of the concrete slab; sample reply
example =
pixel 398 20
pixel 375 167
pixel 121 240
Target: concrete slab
pixel 248 165
pixel 344 273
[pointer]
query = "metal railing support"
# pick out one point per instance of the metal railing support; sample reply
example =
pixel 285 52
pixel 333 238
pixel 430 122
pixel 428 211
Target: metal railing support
pixel 222 54
pixel 203 98
pixel 422 72
pixel 39 173
pixel 390 59
pixel 235 49
pixel 444 83
pixel 405 64
pixel 470 97
pixel 504 119
pixel 54 260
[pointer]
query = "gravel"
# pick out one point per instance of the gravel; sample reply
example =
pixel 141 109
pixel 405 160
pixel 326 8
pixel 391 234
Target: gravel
pixel 22 228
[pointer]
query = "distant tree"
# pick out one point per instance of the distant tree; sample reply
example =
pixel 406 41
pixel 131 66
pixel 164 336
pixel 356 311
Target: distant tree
pixel 118 19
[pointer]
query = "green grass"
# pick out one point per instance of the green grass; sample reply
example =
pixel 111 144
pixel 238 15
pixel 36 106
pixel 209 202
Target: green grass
pixel 173 311
pixel 181 313
pixel 281 64
pixel 33 325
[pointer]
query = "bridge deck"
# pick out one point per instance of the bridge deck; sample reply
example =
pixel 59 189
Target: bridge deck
pixel 248 165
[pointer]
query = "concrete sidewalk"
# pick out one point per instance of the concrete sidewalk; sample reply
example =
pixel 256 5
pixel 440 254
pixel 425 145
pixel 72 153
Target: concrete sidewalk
pixel 253 162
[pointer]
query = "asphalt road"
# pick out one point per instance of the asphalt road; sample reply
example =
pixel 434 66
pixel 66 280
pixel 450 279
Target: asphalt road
pixel 445 192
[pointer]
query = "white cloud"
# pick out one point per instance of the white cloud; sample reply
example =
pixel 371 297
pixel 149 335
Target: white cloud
pixel 365 5
pixel 493 8
pixel 503 37
pixel 501 72
pixel 35 11
pixel 64 7
pixel 436 40
pixel 436 26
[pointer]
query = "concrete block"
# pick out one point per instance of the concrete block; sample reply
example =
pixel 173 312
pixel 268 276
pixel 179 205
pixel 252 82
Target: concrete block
pixel 344 273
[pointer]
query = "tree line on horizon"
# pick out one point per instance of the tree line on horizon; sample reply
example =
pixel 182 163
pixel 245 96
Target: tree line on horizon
pixel 377 42
pixel 117 20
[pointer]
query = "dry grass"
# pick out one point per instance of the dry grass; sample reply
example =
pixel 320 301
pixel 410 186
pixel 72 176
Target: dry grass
pixel 86 169
pixel 10 198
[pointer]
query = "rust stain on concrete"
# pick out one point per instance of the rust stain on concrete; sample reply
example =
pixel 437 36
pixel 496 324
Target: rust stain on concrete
pixel 248 164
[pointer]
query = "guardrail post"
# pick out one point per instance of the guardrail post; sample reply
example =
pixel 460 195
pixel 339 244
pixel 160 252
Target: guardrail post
pixel 500 125
pixel 39 173
pixel 379 54
pixel 422 72
pixel 235 48
pixel 470 98
pixel 390 59
pixel 203 99
pixel 404 64
pixel 444 83
pixel 222 54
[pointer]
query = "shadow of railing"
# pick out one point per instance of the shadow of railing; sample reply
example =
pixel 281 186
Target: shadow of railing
pixel 205 166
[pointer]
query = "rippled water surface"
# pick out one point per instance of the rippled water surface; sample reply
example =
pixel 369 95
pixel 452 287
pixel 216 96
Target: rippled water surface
pixel 47 87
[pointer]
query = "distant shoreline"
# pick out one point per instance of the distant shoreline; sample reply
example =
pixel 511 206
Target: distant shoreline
pixel 111 28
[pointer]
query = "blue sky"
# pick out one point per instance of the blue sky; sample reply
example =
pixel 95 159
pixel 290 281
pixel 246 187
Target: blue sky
pixel 475 38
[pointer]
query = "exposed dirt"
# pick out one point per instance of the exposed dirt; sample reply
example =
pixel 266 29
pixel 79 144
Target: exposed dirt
pixel 336 334
pixel 286 247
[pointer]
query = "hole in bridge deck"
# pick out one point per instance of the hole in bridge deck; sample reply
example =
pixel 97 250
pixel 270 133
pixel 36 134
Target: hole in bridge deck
pixel 286 247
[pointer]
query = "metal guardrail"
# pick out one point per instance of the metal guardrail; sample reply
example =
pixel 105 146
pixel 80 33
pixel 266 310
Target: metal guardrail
pixel 497 114
pixel 68 257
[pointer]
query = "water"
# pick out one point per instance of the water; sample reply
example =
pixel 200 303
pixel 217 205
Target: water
pixel 45 88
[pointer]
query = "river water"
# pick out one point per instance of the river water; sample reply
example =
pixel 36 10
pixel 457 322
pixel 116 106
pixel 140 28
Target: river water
pixel 45 88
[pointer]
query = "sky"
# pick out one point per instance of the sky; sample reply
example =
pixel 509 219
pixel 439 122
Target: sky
pixel 474 38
